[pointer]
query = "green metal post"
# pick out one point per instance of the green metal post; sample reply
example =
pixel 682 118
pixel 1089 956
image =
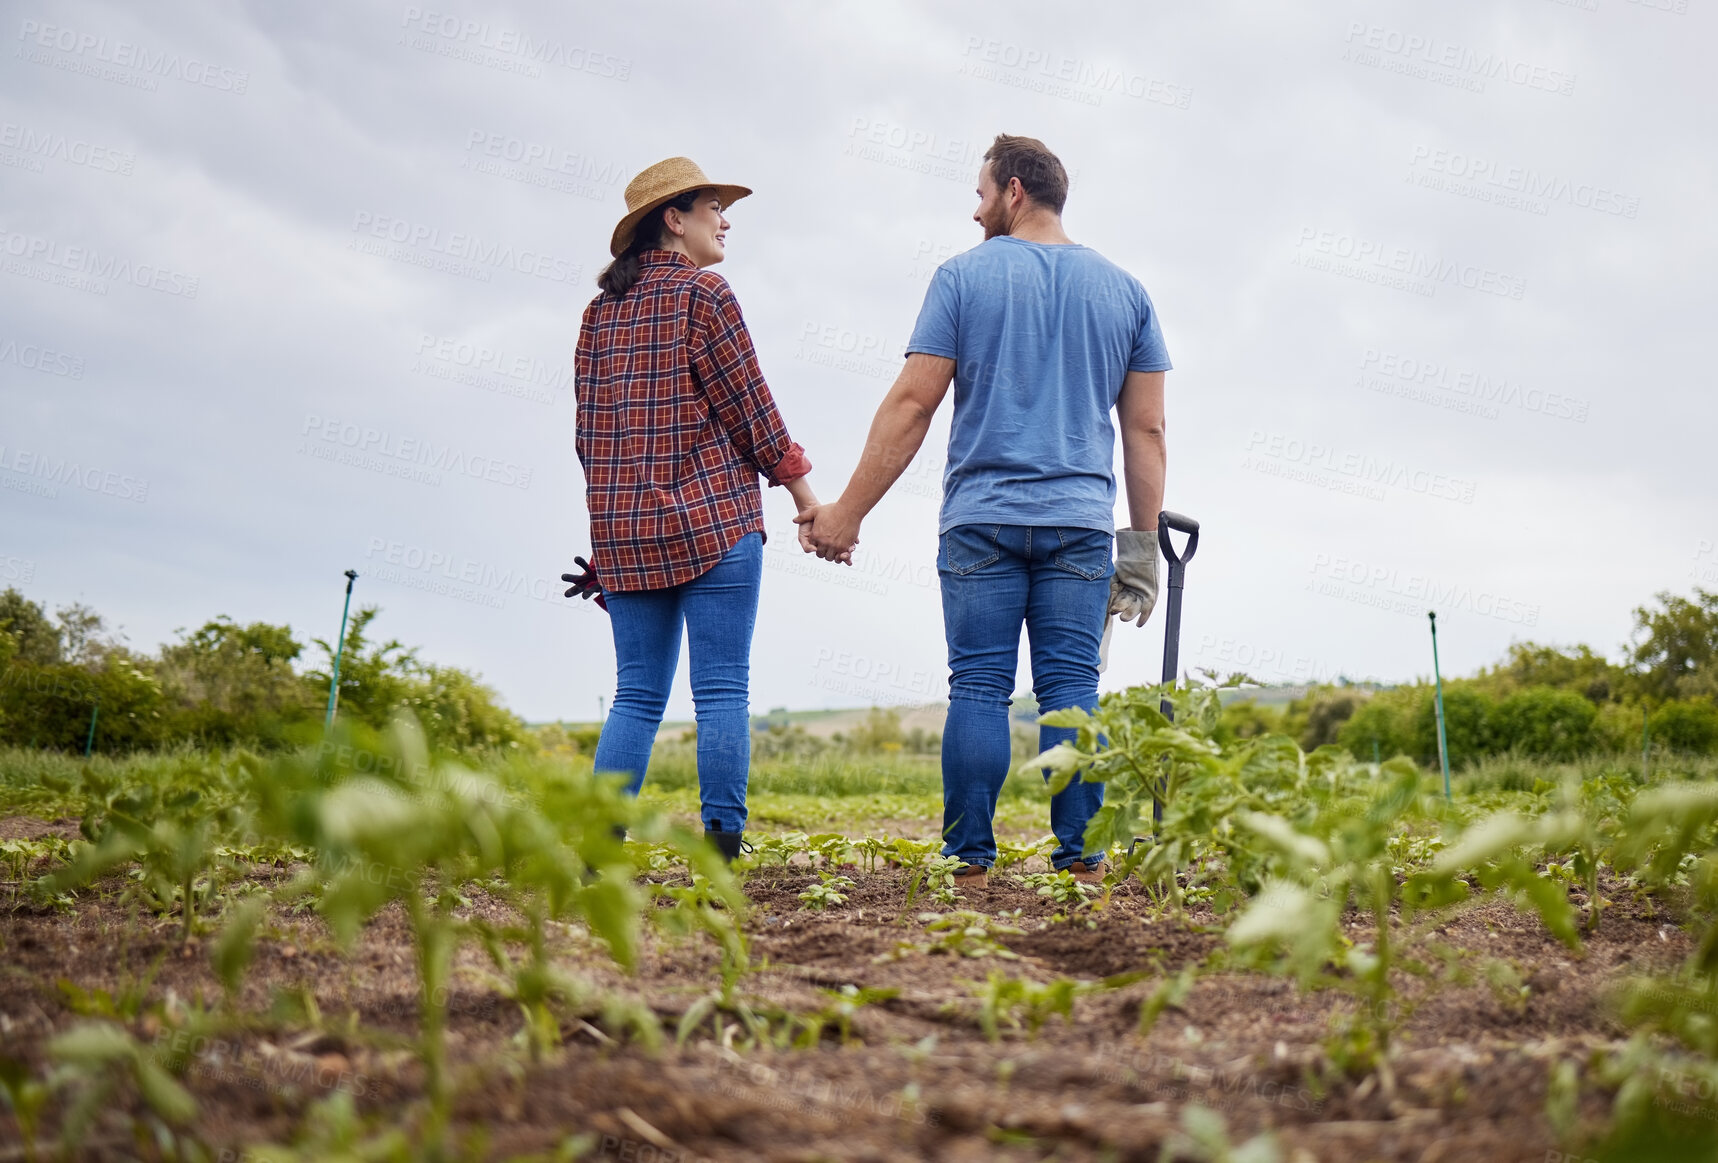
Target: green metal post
pixel 339 649
pixel 1645 727
pixel 89 743
pixel 1437 676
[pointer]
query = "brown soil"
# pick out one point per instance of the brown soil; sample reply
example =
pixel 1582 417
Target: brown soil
pixel 918 1080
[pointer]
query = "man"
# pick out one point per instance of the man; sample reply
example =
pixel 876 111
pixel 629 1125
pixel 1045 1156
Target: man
pixel 1041 337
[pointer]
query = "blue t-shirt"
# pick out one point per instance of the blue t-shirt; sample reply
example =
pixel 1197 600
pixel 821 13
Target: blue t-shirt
pixel 1042 336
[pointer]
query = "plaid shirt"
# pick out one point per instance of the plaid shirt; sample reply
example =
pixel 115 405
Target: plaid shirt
pixel 675 423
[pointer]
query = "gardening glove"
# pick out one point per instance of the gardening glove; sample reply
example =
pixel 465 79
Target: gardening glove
pixel 1104 646
pixel 585 584
pixel 1133 589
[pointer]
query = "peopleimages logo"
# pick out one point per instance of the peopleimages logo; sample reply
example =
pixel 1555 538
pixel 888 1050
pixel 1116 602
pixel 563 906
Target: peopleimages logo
pixel 1409 264
pixel 529 51
pixel 480 357
pixel 1431 53
pixel 34 357
pixel 1063 76
pixel 42 471
pixel 455 575
pixel 1386 587
pixel 85 46
pixel 87 262
pixel 1465 382
pixel 1484 174
pixel 384 447
pixel 465 247
pixel 1360 467
pixel 45 146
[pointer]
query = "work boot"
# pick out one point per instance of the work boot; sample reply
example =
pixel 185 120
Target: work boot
pixel 1085 873
pixel 971 876
pixel 729 844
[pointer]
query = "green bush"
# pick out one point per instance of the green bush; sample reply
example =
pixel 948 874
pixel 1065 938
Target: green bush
pixel 1317 719
pixel 1542 722
pixel 1686 725
pixel 50 705
pixel 1242 718
pixel 1384 721
pixel 1467 725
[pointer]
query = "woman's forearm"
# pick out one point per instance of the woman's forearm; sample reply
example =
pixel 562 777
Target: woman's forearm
pixel 800 490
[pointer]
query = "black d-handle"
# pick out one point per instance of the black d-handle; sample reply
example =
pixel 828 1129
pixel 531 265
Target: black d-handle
pixel 1167 521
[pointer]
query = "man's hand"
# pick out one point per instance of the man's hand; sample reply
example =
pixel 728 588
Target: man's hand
pixel 828 531
pixel 1133 589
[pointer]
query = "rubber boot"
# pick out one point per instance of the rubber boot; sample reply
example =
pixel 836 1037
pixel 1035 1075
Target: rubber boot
pixel 727 843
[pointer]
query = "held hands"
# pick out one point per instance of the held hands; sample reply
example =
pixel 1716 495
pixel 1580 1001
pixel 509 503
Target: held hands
pixel 828 531
pixel 1133 589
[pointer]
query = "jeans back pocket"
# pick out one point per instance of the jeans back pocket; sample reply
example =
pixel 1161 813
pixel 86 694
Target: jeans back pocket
pixel 1085 552
pixel 966 548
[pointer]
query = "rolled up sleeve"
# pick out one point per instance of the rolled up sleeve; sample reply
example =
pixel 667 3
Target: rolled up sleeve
pixel 726 366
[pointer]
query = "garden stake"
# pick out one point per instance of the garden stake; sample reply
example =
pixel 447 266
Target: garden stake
pixel 1443 742
pixel 339 648
pixel 89 743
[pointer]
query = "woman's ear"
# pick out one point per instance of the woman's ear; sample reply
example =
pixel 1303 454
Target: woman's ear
pixel 675 222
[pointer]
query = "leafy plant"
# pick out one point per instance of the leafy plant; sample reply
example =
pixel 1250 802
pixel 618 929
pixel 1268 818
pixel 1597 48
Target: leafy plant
pixel 826 892
pixel 1059 886
pixel 962 933
pixel 1020 1004
pixel 935 876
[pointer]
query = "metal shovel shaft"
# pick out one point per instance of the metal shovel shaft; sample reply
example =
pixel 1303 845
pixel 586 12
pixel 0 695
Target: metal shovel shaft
pixel 1167 521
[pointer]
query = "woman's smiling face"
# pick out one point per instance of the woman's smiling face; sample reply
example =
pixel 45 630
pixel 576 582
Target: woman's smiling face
pixel 700 231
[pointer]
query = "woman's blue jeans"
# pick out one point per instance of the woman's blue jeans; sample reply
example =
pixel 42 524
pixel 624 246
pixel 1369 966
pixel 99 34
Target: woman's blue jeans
pixel 719 609
pixel 1054 580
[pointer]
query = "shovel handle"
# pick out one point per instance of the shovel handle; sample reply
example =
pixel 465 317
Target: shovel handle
pixel 1167 521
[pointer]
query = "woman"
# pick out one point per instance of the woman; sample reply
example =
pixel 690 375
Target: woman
pixel 675 425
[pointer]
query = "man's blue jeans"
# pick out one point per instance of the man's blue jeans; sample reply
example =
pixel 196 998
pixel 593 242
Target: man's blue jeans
pixel 1053 580
pixel 719 609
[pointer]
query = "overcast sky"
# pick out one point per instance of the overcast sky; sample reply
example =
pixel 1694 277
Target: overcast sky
pixel 292 289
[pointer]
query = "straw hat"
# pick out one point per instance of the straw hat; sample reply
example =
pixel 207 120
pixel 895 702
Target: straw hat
pixel 663 182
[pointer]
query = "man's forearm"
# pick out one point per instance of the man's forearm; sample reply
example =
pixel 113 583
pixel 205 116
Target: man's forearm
pixel 897 431
pixel 1145 464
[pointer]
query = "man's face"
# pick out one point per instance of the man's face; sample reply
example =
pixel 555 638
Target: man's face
pixel 992 212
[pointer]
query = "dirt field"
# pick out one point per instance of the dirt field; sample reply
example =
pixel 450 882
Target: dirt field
pixel 917 1079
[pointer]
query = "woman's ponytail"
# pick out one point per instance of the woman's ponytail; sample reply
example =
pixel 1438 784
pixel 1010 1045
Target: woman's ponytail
pixel 618 276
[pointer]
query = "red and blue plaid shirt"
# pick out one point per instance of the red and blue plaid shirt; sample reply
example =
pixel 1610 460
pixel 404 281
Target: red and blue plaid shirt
pixel 675 424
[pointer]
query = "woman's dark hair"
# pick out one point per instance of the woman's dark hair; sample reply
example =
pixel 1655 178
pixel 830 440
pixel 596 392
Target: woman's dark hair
pixel 618 276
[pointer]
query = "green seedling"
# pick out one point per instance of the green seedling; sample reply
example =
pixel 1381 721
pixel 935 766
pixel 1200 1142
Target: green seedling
pixel 828 891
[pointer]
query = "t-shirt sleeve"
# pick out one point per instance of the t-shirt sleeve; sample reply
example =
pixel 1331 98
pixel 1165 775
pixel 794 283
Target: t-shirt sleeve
pixel 939 318
pixel 1149 352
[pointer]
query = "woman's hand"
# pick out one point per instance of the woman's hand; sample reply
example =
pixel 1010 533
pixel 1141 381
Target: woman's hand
pixel 806 502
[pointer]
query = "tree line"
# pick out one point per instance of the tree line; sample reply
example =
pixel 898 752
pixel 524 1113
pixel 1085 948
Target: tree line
pixel 226 684
pixel 67 683
pixel 1541 702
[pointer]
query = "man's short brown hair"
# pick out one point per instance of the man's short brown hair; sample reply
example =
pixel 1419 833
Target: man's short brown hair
pixel 1040 171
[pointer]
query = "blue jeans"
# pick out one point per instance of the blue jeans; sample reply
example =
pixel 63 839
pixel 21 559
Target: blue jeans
pixel 995 578
pixel 719 609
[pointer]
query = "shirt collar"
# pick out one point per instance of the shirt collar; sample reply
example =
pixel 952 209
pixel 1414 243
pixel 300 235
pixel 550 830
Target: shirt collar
pixel 652 258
